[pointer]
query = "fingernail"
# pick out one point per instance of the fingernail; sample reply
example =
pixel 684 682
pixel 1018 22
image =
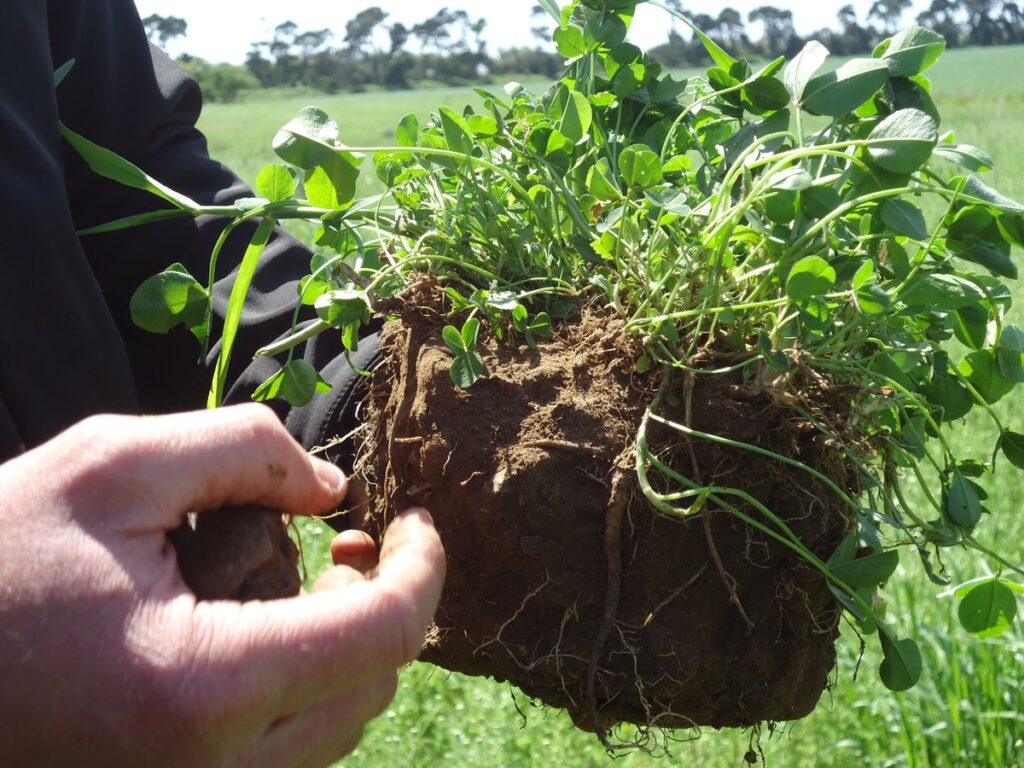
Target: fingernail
pixel 329 475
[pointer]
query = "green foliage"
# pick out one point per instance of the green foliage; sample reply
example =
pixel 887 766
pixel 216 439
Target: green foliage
pixel 297 382
pixel 222 83
pixel 171 298
pixel 467 367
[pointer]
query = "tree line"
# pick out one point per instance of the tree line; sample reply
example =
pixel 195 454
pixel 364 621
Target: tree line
pixel 449 47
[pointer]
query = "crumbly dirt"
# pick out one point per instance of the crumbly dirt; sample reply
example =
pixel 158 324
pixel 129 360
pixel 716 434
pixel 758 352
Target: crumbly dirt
pixel 562 579
pixel 238 553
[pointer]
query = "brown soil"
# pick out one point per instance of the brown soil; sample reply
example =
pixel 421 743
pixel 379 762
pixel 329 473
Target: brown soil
pixel 562 579
pixel 239 553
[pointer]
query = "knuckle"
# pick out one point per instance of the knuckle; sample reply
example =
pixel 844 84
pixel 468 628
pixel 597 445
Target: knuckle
pixel 102 435
pixel 261 422
pixel 102 450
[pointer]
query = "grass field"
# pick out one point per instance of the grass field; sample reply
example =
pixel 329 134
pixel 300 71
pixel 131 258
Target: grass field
pixel 969 708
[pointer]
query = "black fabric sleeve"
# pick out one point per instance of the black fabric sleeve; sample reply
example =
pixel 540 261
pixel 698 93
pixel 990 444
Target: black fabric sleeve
pixel 132 99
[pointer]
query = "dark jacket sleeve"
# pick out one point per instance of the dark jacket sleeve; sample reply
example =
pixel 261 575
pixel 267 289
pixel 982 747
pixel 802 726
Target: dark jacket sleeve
pixel 129 97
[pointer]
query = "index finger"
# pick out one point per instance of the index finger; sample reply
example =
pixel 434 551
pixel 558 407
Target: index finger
pixel 300 651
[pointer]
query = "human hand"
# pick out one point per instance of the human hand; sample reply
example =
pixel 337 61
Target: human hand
pixel 106 657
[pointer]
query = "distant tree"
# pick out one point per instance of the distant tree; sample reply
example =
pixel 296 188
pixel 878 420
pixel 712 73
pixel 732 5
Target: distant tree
pixel 852 37
pixel 941 16
pixel 435 32
pixel 730 30
pixel 1012 21
pixel 889 12
pixel 359 31
pixel 219 82
pixel 541 31
pixel 982 28
pixel 527 61
pixel 780 37
pixel 162 29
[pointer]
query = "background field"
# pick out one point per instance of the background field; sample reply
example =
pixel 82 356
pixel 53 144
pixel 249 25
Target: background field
pixel 969 708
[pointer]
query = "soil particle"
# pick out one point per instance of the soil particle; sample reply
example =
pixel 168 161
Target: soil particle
pixel 526 473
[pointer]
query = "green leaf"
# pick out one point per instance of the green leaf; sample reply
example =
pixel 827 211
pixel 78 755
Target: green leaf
pixel 332 183
pixel 792 179
pixel 467 368
pixel 276 183
pixel 988 609
pixel 904 141
pixel 901 666
pixel 62 72
pixel 962 505
pixel 1009 352
pixel 233 315
pixel 863 275
pixel 640 166
pixel 904 218
pixel 408 131
pixel 307 138
pixel 482 125
pixel 599 182
pixel 977 191
pixel 873 299
pixel 1012 446
pixel 539 326
pixel 868 571
pixel 809 277
pixel 981 369
pixel 456 132
pixel 167 299
pixel 911 51
pixel 970 324
pixel 941 292
pixel 342 308
pixel 801 69
pixel 570 42
pixel 966 156
pixel 951 396
pixel 453 339
pixel 767 93
pixel 470 333
pixel 577 118
pixel 604 29
pixel 842 91
pixel 112 166
pixel 297 382
pixel 980 252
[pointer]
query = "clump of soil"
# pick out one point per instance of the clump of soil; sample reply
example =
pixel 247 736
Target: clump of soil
pixel 238 553
pixel 561 577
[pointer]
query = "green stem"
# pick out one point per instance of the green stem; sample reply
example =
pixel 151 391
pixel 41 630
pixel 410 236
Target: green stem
pixel 240 289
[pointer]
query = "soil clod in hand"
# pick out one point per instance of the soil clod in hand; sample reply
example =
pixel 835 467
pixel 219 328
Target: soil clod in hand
pixel 707 620
pixel 238 553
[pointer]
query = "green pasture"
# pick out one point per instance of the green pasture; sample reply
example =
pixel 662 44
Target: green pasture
pixel 968 710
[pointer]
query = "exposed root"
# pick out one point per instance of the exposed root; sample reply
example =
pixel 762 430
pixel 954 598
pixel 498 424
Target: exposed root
pixel 727 578
pixel 622 489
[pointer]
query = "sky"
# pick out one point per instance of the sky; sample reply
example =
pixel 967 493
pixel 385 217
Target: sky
pixel 222 30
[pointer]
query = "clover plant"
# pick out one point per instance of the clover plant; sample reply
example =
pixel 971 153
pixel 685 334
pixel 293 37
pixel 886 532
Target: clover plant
pixel 800 216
